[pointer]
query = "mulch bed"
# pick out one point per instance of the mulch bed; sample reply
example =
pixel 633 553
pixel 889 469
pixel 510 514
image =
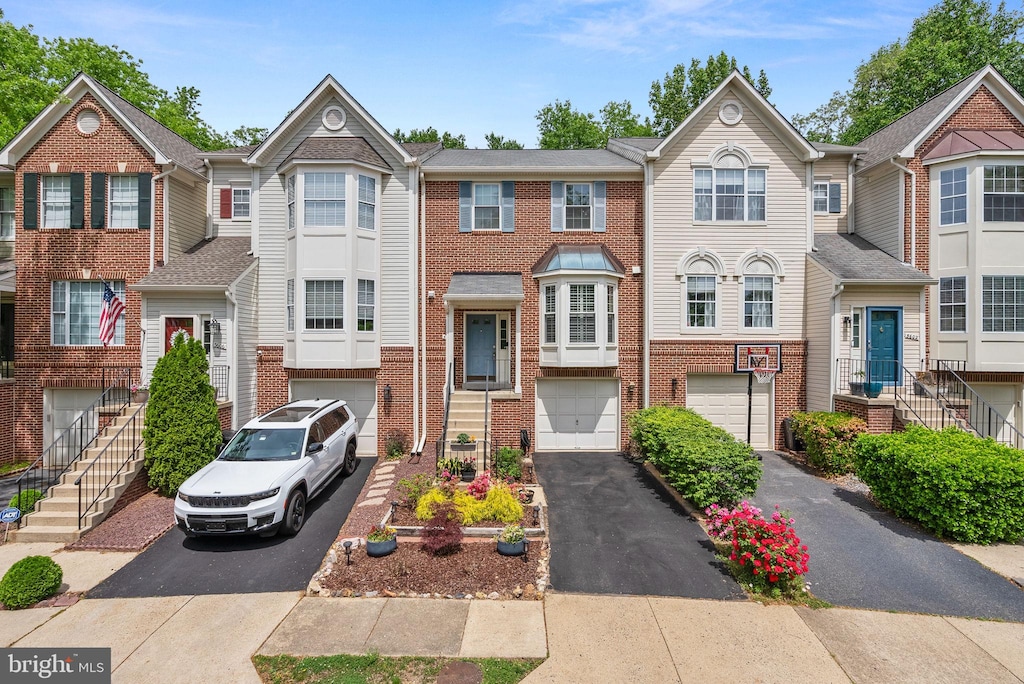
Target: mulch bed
pixel 132 528
pixel 477 570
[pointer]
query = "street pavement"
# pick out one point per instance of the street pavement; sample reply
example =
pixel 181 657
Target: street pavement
pixel 176 565
pixel 614 531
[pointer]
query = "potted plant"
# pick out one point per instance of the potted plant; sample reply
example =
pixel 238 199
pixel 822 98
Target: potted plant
pixel 468 468
pixel 872 388
pixel 380 541
pixel 464 442
pixel 139 392
pixel 511 541
pixel 857 383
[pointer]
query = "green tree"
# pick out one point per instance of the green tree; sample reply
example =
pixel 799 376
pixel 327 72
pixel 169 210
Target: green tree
pixel 619 121
pixel 948 43
pixel 416 135
pixel 681 91
pixel 24 89
pixel 182 430
pixel 499 142
pixel 563 128
pixel 247 135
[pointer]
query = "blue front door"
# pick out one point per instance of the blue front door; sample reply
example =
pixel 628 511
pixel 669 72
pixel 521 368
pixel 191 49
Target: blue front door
pixel 884 345
pixel 480 336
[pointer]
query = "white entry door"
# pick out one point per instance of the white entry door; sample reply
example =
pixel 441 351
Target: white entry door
pixel 577 415
pixel 722 399
pixel 361 397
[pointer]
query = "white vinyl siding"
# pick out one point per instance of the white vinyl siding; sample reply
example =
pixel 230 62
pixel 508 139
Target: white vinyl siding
pixel 234 175
pixel 56 201
pixel 953 196
pixel 247 321
pixel 75 312
pixel 831 173
pixel 818 316
pixel 878 214
pixel 953 304
pixel 186 218
pixel 124 201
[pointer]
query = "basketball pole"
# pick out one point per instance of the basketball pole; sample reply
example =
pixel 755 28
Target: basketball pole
pixel 750 402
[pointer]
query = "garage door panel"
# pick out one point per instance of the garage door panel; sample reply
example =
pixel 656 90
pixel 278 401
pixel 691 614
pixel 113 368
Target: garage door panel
pixel 1002 398
pixel 361 397
pixel 577 415
pixel 722 399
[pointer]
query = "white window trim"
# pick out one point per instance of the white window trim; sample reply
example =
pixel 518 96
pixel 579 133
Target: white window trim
pixel 743 308
pixel 375 204
pixel 965 304
pixel 996 333
pixel 110 201
pixel 11 212
pixel 344 308
pixel 712 164
pixel 289 306
pixel 43 202
pixel 119 289
pixel 985 193
pixel 965 195
pixel 248 202
pixel 856 330
pixel 544 313
pixel 611 297
pixel 565 207
pixel 373 307
pixel 497 206
pixel 291 217
pixel 595 313
pixel 686 304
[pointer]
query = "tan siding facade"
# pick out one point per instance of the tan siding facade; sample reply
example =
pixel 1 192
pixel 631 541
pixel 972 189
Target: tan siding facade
pixel 832 170
pixel 818 313
pixel 187 217
pixel 877 211
pixel 225 175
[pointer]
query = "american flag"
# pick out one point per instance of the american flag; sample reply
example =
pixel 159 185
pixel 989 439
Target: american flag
pixel 109 313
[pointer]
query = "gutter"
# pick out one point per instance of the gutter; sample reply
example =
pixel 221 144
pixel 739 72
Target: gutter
pixel 913 210
pixel 648 275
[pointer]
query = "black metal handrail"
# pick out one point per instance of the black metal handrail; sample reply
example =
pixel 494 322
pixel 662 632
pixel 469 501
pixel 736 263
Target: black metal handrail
pixel 67 448
pixel 487 419
pixel 109 463
pixel 442 444
pixel 981 416
pixel 219 376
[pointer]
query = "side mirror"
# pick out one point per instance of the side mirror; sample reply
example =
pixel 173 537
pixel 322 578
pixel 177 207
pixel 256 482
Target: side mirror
pixel 315 447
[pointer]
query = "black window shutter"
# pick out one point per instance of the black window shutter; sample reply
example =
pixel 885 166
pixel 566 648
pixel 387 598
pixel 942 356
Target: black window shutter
pixel 78 200
pixel 145 199
pixel 98 208
pixel 30 208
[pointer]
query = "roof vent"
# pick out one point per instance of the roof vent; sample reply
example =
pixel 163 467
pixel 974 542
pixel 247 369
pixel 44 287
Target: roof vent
pixel 731 112
pixel 88 121
pixel 334 118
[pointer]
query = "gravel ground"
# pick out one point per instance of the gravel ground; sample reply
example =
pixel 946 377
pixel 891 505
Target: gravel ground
pixel 132 528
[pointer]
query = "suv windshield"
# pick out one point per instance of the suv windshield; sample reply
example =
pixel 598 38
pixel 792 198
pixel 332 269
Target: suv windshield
pixel 262 444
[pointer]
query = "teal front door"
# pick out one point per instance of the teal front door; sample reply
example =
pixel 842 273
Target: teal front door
pixel 884 349
pixel 480 337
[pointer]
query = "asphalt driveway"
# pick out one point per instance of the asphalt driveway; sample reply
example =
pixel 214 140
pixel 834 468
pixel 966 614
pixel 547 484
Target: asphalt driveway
pixel 176 565
pixel 865 558
pixel 614 532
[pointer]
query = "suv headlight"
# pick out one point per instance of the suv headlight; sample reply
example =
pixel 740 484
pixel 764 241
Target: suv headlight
pixel 183 496
pixel 264 495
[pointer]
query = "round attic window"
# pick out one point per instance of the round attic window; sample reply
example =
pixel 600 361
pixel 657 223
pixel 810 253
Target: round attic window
pixel 334 118
pixel 730 112
pixel 88 121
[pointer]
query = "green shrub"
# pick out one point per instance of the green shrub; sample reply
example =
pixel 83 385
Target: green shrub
pixel 954 484
pixel 502 505
pixel 508 463
pixel 396 445
pixel 26 501
pixel 182 430
pixel 412 488
pixel 829 438
pixel 428 501
pixel 705 463
pixel 29 581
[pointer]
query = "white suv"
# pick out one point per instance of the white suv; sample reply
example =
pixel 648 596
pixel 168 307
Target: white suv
pixel 262 479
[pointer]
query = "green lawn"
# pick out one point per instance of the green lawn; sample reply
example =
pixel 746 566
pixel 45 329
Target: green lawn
pixel 377 669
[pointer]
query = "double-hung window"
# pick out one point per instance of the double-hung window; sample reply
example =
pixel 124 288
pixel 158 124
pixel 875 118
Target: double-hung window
pixel 486 206
pixel 124 201
pixel 827 198
pixel 240 202
pixel 289 305
pixel 582 314
pixel 700 301
pixel 578 202
pixel 366 306
pixel 610 293
pixel 75 312
pixel 290 197
pixel 550 314
pixel 732 193
pixel 1002 303
pixel 367 203
pixel 325 305
pixel 324 195
pixel 1004 193
pixel 758 301
pixel 56 201
pixel 953 304
pixel 953 196
pixel 6 212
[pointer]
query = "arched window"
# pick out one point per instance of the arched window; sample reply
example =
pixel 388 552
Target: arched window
pixel 699 273
pixel 759 272
pixel 729 189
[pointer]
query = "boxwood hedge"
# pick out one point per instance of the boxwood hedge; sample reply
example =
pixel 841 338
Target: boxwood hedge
pixel 704 463
pixel 953 483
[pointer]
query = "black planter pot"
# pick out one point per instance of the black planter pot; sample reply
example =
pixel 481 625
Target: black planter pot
pixel 528 496
pixel 380 548
pixel 468 475
pixel 857 388
pixel 512 548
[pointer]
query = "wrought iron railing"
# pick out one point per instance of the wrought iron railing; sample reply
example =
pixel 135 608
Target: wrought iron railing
pixel 68 446
pixel 442 443
pixel 981 416
pixel 96 479
pixel 219 377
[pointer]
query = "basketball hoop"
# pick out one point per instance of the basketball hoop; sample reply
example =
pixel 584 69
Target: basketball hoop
pixel 764 375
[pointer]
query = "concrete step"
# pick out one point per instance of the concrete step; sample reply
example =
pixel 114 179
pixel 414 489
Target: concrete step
pixel 57 519
pixel 63 534
pixel 61 503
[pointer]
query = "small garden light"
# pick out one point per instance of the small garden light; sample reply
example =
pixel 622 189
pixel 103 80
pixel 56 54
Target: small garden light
pixel 536 515
pixel 348 552
pixel 526 549
pixel 394 507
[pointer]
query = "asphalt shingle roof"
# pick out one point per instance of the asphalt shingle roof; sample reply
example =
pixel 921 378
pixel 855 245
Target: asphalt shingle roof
pixel 647 144
pixel 337 147
pixel 167 141
pixel 963 142
pixel 485 286
pixel 210 264
pixel 418 149
pixel 852 258
pixel 539 159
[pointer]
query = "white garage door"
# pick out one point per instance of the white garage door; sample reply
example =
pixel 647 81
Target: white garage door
pixel 722 399
pixel 1003 398
pixel 65 406
pixel 360 395
pixel 577 414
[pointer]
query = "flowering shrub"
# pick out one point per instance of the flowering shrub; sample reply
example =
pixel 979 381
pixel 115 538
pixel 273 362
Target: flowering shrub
pixel 829 438
pixel 380 534
pixel 766 555
pixel 480 485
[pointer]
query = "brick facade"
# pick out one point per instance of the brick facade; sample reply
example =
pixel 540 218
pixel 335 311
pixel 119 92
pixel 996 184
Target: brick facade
pixel 675 358
pixel 880 416
pixel 46 255
pixel 7 451
pixel 451 251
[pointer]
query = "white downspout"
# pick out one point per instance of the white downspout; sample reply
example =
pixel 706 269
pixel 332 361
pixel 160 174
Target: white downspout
pixel 648 277
pixel 209 198
pixel 233 356
pixel 913 211
pixel 152 216
pixel 834 345
pixel 850 168
pixel 809 209
pixel 422 184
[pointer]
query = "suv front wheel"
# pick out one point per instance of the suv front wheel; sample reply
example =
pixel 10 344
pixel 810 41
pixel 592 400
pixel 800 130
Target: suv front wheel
pixel 294 514
pixel 350 459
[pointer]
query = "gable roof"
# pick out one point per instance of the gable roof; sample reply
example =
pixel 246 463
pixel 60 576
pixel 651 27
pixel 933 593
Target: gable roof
pixel 261 155
pixel 852 259
pixel 771 117
pixel 166 146
pixel 902 137
pixel 209 265
pixel 423 150
pixel 342 149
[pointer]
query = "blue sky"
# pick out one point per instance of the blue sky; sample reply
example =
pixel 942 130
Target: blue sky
pixel 472 67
